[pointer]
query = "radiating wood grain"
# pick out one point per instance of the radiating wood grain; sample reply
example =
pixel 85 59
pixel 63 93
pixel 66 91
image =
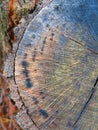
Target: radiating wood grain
pixel 56 66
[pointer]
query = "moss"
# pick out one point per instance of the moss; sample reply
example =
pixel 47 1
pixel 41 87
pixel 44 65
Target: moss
pixel 4 36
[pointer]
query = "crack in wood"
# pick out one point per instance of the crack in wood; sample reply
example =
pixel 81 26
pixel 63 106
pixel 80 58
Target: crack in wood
pixel 83 46
pixel 15 55
pixel 90 95
pixel 87 102
pixel 80 43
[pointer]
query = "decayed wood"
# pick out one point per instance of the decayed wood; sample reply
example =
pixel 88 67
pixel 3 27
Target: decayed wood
pixel 15 14
pixel 7 107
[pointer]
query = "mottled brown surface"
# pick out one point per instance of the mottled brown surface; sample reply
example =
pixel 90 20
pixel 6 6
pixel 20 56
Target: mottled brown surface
pixel 7 107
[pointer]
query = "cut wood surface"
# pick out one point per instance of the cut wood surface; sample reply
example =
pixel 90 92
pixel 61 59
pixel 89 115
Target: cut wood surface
pixel 56 67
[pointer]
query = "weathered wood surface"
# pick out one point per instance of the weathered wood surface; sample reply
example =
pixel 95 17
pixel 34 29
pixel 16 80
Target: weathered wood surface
pixel 56 67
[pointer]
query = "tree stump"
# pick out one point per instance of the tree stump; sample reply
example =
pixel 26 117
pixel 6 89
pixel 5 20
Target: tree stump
pixel 55 68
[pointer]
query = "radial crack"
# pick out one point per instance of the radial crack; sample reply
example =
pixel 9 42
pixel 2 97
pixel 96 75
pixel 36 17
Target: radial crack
pixel 83 46
pixel 87 102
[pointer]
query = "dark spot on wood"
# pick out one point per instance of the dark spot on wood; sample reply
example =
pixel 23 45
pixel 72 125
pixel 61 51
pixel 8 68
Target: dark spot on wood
pixel 51 39
pixel 43 97
pixel 34 55
pixel 24 64
pixel 44 41
pixel 43 113
pixel 57 111
pixel 26 72
pixel 41 92
pixel 42 49
pixel 29 84
pixel 52 34
pixel 47 25
pixel 35 100
pixel 25 55
pixel 28 45
pixel 57 8
pixel 35 70
pixel 33 36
